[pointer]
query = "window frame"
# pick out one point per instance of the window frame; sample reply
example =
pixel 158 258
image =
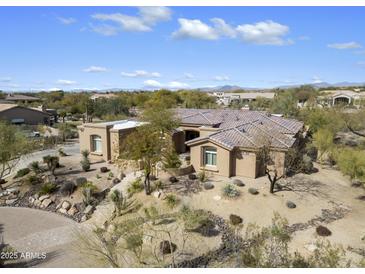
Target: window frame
pixel 212 160
pixel 96 138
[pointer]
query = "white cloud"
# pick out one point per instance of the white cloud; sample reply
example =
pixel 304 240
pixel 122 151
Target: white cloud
pixel 316 80
pixel 221 78
pixel 5 79
pixel 194 29
pixel 95 69
pixel 66 82
pixel 264 33
pixel 152 84
pixel 67 21
pixel 222 28
pixel 141 73
pixel 104 29
pixel 189 76
pixel 348 45
pixel 144 21
pixel 261 33
pixel 172 85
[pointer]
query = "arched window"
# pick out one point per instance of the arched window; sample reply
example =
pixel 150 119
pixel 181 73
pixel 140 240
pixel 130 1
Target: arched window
pixel 210 156
pixel 96 143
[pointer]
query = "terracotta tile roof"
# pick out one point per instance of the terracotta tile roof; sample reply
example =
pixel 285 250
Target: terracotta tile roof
pixel 243 128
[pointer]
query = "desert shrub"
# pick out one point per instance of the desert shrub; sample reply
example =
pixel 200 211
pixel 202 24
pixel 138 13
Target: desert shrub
pixel 202 176
pixel 171 200
pixel 52 162
pixel 120 202
pixel 34 166
pixel 230 191
pixel 152 214
pixel 85 153
pixel 61 152
pixel 90 185
pixel 323 231
pixel 235 219
pixel 67 188
pixel 111 174
pixel 33 180
pixel 208 185
pixel 290 204
pixel 238 182
pixel 135 186
pixel 192 219
pixel 173 179
pixel 192 176
pixel 352 163
pixel 22 172
pixel 253 191
pixel 47 188
pixel 312 152
pixel 85 164
pixel 87 197
pixel 307 164
pixel 171 159
pixel 158 185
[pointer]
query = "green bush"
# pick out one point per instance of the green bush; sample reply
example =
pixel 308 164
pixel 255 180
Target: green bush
pixel 90 185
pixel 47 188
pixel 230 191
pixel 135 186
pixel 85 164
pixel 202 176
pixel 171 200
pixel 158 185
pixel 34 166
pixel 34 180
pixel 352 163
pixel 22 172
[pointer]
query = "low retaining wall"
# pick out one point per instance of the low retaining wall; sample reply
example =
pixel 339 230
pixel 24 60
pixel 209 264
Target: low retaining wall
pixel 181 171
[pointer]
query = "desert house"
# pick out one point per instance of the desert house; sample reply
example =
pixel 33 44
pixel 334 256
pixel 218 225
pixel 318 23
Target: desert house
pixel 342 97
pixel 23 115
pixel 222 142
pixel 20 98
pixel 226 98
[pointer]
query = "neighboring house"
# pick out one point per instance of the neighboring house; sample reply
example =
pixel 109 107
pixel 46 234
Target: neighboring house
pixel 103 139
pixel 227 142
pixel 22 115
pixel 97 96
pixel 342 97
pixel 20 98
pixel 225 98
pixel 223 142
pixel 51 111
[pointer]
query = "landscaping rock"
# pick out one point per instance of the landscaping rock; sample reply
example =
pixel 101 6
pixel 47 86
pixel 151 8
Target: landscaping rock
pixel 43 198
pixel 290 204
pixel 72 211
pixel 192 177
pixel 80 180
pixel 167 248
pixel 104 169
pixel 310 247
pixel 238 182
pixel 253 191
pixel 36 196
pixel 235 219
pixel 63 211
pixel 173 179
pixel 217 198
pixel 323 231
pixel 208 185
pixel 31 200
pixel 46 202
pixel 156 194
pixel 66 205
pixel 83 218
pixel 37 203
pixel 116 181
pixel 88 210
pixel 13 190
pixel 153 178
pixel 10 201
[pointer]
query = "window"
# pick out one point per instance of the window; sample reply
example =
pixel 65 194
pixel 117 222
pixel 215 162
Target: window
pixel 210 156
pixel 96 143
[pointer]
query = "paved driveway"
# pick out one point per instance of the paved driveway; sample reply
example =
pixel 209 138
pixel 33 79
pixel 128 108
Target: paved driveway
pixel 31 230
pixel 71 149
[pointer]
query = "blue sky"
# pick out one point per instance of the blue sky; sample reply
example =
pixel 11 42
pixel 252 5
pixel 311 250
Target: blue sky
pixel 129 47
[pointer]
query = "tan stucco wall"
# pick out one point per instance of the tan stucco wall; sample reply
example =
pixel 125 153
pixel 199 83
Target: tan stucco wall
pixel 31 117
pixel 244 164
pixel 85 133
pixel 117 137
pixel 223 159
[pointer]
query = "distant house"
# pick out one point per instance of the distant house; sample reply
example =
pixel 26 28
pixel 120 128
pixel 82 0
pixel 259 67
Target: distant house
pixel 20 98
pixel 342 97
pixel 225 98
pixel 97 96
pixel 23 115
pixel 224 142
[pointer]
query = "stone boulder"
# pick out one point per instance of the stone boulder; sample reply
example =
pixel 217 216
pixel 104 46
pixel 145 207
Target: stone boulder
pixel 238 182
pixel 104 169
pixel 63 211
pixel 88 210
pixel 66 205
pixel 67 188
pixel 290 204
pixel 235 219
pixel 173 179
pixel 116 181
pixel 46 203
pixel 80 181
pixel 10 201
pixel 167 247
pixel 253 191
pixel 192 176
pixel 72 211
pixel 208 185
pixel 43 197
